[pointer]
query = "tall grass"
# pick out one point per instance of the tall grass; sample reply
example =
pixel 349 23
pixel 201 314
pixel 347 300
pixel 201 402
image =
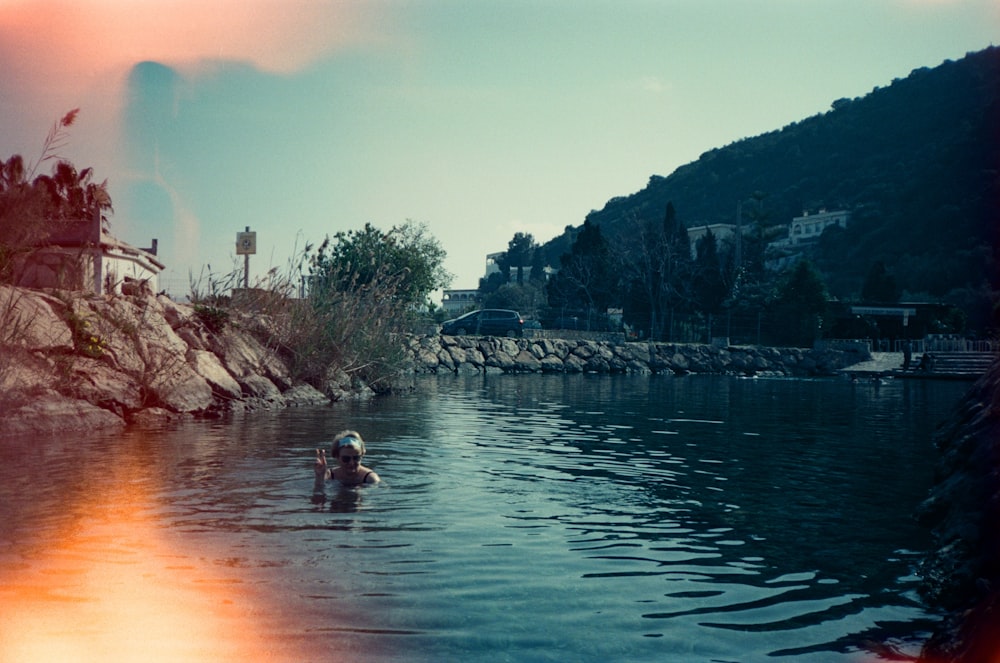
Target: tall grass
pixel 13 328
pixel 322 331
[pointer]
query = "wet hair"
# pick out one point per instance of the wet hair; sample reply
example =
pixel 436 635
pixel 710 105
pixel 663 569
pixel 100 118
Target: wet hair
pixel 348 438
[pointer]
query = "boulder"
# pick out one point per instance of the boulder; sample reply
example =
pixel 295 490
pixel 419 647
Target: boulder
pixel 100 383
pixel 27 319
pixel 261 388
pixel 242 355
pixel 305 394
pixel 527 362
pixel 181 390
pixel 54 413
pixel 208 366
pixel 552 364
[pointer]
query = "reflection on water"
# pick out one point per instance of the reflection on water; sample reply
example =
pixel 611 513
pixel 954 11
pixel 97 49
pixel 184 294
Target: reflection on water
pixel 522 518
pixel 88 575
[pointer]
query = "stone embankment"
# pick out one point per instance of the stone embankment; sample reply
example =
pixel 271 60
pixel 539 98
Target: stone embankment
pixel 962 574
pixel 470 354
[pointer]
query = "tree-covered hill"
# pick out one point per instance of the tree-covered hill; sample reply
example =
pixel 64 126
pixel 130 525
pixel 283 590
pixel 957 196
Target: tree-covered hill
pixel 915 162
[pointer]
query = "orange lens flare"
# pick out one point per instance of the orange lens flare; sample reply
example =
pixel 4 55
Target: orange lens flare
pixel 113 589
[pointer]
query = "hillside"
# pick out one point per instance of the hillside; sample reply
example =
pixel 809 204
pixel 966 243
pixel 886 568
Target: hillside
pixel 915 162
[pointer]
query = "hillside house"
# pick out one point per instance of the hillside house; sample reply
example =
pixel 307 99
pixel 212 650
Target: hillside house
pixel 807 228
pixel 802 231
pixel 82 256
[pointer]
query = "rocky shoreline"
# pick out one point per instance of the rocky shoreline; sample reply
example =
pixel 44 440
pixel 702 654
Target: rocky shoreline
pixel 71 361
pixel 470 354
pixel 961 576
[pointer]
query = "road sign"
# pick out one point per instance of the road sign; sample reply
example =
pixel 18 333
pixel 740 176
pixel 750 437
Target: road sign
pixel 246 243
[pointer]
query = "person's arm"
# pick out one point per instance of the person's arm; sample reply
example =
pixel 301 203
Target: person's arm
pixel 321 471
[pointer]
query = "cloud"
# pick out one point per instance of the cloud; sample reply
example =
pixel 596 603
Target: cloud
pixel 653 84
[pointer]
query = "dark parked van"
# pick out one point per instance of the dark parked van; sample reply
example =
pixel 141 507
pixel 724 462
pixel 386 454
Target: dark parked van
pixel 486 322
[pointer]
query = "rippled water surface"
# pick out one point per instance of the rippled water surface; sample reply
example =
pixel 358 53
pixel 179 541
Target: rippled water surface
pixel 522 518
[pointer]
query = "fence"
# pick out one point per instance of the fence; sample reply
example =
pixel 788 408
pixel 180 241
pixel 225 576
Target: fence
pixel 948 343
pixel 740 328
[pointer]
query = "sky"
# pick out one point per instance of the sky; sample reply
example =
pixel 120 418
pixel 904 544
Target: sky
pixel 481 119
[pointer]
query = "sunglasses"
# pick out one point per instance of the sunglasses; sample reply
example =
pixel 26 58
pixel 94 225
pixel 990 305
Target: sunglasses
pixel 348 459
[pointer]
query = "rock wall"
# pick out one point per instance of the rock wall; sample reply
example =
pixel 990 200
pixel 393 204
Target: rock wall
pixel 469 354
pixel 962 574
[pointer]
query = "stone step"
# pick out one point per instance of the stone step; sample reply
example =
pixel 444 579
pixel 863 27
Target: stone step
pixel 957 363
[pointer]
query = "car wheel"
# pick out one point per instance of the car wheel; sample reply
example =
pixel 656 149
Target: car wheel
pixel 512 333
pixel 460 331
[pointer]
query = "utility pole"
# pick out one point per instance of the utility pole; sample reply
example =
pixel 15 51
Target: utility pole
pixel 739 234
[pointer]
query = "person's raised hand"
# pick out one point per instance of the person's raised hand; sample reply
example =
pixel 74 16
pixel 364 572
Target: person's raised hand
pixel 320 466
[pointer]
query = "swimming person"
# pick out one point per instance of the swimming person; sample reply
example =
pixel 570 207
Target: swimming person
pixel 348 450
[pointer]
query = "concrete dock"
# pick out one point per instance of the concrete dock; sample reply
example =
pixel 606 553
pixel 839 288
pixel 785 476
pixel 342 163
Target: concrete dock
pixel 947 365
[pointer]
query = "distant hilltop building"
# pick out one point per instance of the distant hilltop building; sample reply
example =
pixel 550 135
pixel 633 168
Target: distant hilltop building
pixel 803 231
pixel 807 228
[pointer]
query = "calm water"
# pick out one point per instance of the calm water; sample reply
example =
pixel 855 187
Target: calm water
pixel 523 518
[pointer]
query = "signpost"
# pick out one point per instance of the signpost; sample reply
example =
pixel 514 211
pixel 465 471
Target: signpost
pixel 246 245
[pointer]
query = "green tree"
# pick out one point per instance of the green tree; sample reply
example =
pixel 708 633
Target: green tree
pixel 585 280
pixel 709 284
pixel 520 251
pixel 405 263
pixel 33 208
pixel 365 286
pixel 525 299
pixel 800 305
pixel 521 257
pixel 656 261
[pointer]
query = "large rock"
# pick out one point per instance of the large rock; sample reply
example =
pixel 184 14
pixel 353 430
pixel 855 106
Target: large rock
pixel 208 366
pixel 243 355
pixel 54 413
pixel 261 388
pixel 527 362
pixel 305 394
pixel 137 357
pixel 28 319
pixel 962 574
pixel 181 390
pixel 100 383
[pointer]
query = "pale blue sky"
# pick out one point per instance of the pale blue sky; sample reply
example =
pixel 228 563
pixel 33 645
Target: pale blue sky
pixel 482 119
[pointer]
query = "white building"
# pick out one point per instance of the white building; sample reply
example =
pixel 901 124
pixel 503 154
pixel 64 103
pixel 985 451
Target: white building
pixel 459 301
pixel 808 227
pixel 81 256
pixel 802 231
